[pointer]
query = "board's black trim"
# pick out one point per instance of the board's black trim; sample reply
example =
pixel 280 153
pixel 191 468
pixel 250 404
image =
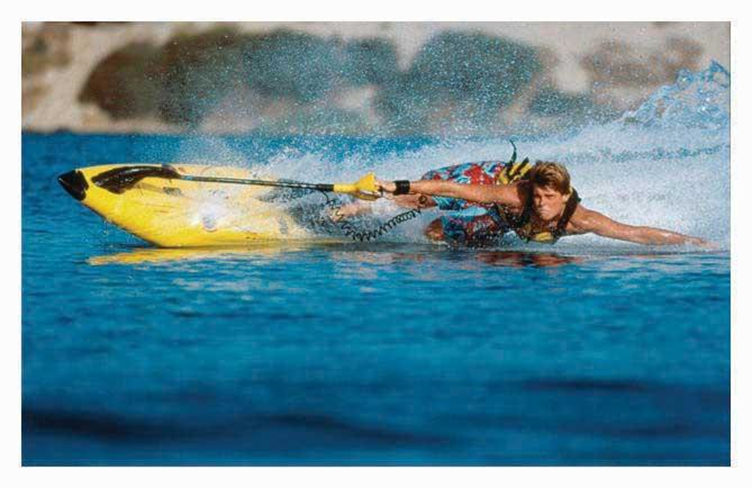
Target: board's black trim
pixel 118 180
pixel 74 183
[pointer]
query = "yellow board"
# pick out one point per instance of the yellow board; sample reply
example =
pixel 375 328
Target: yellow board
pixel 180 213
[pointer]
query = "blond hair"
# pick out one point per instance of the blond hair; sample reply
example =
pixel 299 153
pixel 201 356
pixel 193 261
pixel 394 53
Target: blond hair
pixel 552 175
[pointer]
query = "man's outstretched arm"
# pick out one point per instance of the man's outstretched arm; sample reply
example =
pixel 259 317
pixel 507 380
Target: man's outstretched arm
pixel 599 224
pixel 502 194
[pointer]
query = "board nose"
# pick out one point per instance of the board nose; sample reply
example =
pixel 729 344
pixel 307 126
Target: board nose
pixel 74 183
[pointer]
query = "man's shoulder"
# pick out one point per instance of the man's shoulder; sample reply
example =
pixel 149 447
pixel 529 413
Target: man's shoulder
pixel 515 193
pixel 583 220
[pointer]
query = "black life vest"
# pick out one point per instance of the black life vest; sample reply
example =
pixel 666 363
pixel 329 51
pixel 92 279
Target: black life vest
pixel 522 224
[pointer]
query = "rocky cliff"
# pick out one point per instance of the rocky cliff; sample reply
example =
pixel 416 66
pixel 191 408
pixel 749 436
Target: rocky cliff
pixel 349 78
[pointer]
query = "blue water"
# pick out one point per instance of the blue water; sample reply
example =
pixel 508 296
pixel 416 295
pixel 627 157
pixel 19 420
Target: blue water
pixel 395 352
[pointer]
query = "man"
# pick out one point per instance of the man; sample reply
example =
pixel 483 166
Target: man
pixel 537 202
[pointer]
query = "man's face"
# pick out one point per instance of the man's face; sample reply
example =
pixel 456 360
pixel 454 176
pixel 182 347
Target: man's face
pixel 548 203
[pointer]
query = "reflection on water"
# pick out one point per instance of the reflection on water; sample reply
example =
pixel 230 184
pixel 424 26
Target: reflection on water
pixel 370 254
pixel 150 255
pixel 518 259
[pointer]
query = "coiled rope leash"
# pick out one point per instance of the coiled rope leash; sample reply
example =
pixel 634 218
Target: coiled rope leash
pixel 363 235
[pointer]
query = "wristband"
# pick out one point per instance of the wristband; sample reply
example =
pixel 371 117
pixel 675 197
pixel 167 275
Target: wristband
pixel 402 187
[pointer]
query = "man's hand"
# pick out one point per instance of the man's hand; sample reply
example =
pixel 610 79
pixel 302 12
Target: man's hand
pixel 696 241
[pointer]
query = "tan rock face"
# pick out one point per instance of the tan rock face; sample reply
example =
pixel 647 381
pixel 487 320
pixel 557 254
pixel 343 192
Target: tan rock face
pixel 43 49
pixel 622 73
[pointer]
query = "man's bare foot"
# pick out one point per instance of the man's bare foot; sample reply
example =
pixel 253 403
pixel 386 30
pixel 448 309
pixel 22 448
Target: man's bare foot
pixel 435 231
pixel 704 244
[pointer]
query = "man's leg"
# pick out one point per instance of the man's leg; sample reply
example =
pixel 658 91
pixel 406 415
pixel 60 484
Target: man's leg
pixel 466 230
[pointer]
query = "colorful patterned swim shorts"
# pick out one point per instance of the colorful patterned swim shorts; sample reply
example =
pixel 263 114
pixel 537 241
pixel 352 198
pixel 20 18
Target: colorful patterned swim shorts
pixel 469 223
